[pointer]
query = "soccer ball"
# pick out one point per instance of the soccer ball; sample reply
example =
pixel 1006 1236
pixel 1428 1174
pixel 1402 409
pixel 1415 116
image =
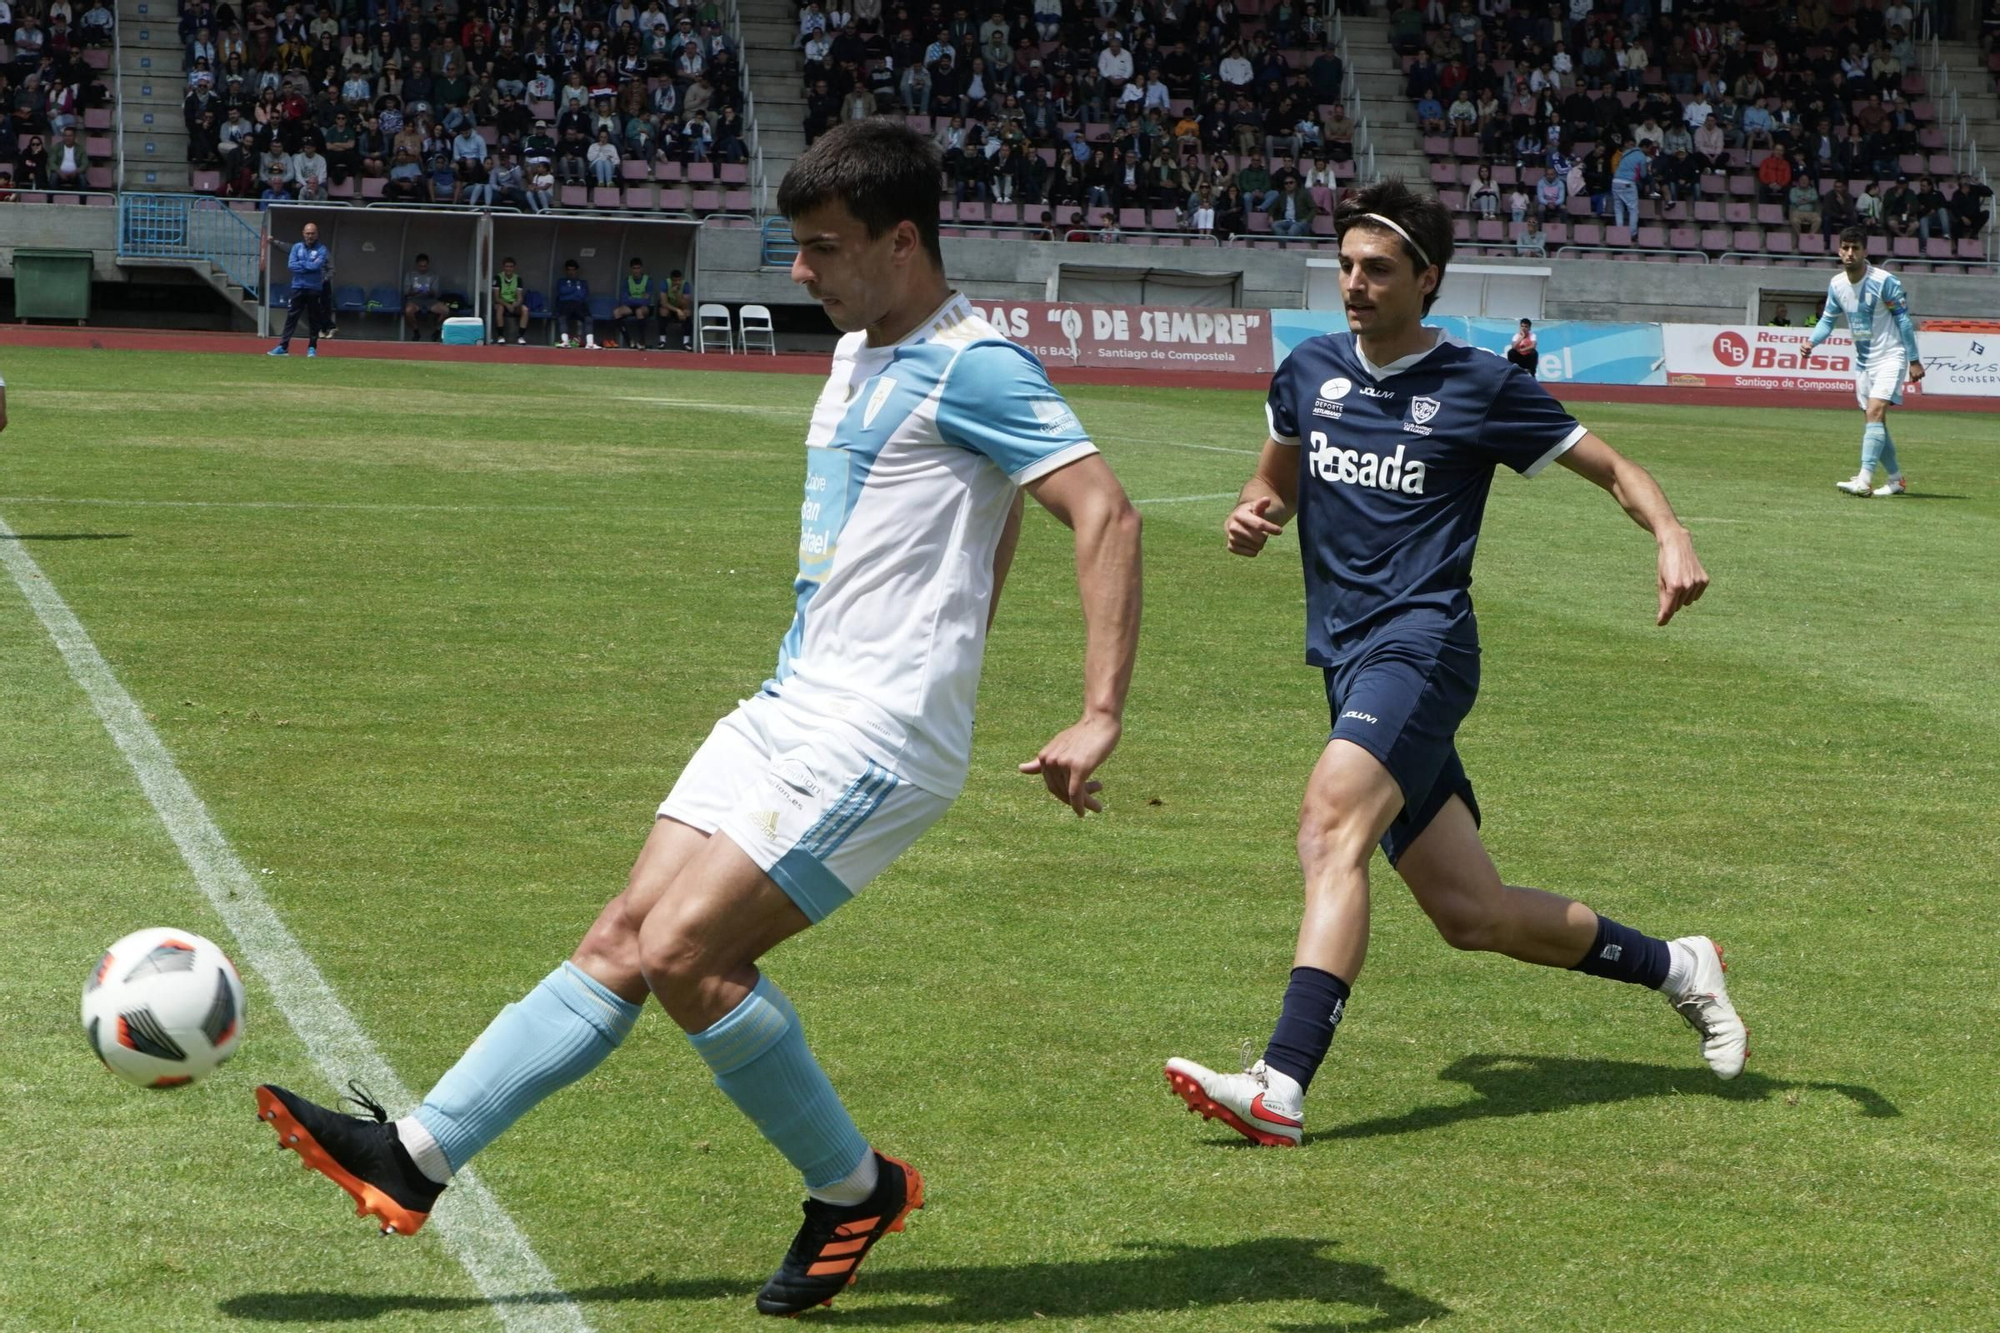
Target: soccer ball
pixel 163 1007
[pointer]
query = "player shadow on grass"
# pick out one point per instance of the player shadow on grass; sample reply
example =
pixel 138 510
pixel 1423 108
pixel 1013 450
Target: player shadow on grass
pixel 1509 1085
pixel 1152 1276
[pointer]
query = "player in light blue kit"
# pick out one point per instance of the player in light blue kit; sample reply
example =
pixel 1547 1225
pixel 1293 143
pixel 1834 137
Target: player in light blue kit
pixel 1885 348
pixel 929 428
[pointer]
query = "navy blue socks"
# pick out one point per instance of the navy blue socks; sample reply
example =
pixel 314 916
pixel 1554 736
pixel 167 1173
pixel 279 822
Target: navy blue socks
pixel 1314 1002
pixel 1621 953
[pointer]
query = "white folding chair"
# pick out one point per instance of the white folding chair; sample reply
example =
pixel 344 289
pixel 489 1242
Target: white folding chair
pixel 712 324
pixel 753 322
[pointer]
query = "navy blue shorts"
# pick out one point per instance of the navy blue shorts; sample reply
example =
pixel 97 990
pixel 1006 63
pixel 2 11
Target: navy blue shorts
pixel 1402 699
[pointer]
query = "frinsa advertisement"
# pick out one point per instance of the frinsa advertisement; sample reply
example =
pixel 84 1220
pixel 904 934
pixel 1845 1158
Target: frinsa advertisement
pixel 1199 338
pixel 1739 356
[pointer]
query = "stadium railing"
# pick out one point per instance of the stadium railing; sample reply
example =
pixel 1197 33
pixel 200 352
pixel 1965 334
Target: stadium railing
pixel 1627 251
pixel 194 228
pixel 1193 238
pixel 734 22
pixel 778 247
pixel 118 97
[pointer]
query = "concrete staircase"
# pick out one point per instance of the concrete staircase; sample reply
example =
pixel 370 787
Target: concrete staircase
pixel 1378 82
pixel 1978 101
pixel 777 73
pixel 149 66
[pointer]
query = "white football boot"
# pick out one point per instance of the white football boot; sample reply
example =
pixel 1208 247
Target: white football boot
pixel 1237 1100
pixel 1896 485
pixel 1725 1042
pixel 1861 483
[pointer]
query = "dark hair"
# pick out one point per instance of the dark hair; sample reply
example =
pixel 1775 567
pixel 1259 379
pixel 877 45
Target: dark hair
pixel 881 171
pixel 508 260
pixel 422 258
pixel 569 263
pixel 640 262
pixel 1854 236
pixel 1422 215
pixel 1528 323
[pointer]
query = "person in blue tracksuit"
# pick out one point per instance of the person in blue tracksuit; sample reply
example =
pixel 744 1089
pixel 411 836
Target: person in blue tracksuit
pixel 310 262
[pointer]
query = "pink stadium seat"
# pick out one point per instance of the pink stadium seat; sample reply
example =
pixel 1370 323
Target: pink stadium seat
pixel 736 201
pixel 1556 233
pixel 733 173
pixel 1738 214
pixel 1588 233
pixel 1461 230
pixel 1779 241
pixel 1132 219
pixel 1770 215
pixel 1452 199
pixel 1972 249
pixel 972 211
pixel 1468 174
pixel 373 186
pixel 1911 164
pixel 99 178
pixel 1812 243
pixel 1906 248
pixel 207 182
pixel 1930 138
pixel 1750 241
pixel 542 110
pixel 673 198
pixel 1160 219
pixel 641 196
pixel 573 196
pixel 1653 238
pixel 1937 248
pixel 1744 186
pixel 98 146
pixel 341 189
pixel 1578 206
pixel 947 210
pixel 1490 231
pixel 667 171
pixel 705 201
pixel 604 196
pixel 1260 223
pixel 1715 238
pixel 701 173
pixel 1684 238
pixel 1436 145
pixel 1465 146
pixel 1618 236
pixel 1506 175
pixel 1941 164
pixel 632 169
pixel 1443 173
pixel 97 118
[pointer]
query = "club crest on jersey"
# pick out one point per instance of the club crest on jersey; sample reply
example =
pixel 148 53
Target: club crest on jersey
pixel 883 389
pixel 1328 403
pixel 1421 411
pixel 1353 467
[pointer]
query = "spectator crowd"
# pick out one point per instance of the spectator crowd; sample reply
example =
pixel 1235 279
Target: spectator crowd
pixel 50 57
pixel 497 103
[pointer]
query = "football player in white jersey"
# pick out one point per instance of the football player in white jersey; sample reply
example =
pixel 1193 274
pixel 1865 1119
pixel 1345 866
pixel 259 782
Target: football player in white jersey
pixel 928 430
pixel 1885 350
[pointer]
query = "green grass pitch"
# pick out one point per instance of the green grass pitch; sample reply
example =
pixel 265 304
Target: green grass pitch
pixel 432 641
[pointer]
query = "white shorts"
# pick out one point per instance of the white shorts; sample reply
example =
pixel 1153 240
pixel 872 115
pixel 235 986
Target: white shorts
pixel 1884 381
pixel 815 813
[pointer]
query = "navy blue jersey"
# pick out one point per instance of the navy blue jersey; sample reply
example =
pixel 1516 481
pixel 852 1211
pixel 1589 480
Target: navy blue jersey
pixel 1394 466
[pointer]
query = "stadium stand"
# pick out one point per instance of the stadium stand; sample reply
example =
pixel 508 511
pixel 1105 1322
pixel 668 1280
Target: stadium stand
pixel 55 133
pixel 540 105
pixel 1105 121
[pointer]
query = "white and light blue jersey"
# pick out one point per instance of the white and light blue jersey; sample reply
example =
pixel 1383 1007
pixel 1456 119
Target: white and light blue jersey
pixel 913 458
pixel 1878 316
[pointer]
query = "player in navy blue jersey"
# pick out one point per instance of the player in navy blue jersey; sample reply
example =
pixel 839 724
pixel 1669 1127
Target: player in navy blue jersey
pixel 1382 445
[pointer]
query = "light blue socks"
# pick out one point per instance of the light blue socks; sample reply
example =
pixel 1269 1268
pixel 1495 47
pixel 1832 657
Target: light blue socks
pixel 1874 444
pixel 758 1053
pixel 547 1041
pixel 1889 463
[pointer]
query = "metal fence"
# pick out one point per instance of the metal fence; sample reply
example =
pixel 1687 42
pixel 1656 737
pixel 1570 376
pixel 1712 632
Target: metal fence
pixel 192 228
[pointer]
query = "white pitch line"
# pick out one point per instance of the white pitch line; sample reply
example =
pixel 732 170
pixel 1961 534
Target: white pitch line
pixel 294 504
pixel 1184 499
pixel 471 1222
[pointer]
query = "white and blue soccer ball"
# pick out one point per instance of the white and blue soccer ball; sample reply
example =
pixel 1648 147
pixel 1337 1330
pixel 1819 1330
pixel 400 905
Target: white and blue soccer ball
pixel 163 1007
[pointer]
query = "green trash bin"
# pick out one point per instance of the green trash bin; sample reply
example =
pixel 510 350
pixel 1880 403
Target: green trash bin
pixel 52 284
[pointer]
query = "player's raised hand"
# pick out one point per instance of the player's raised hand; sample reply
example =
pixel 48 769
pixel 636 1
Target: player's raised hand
pixel 1246 529
pixel 1067 761
pixel 1682 579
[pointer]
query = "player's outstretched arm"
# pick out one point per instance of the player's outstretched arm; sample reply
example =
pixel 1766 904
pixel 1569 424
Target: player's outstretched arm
pixel 1267 503
pixel 1682 579
pixel 1088 500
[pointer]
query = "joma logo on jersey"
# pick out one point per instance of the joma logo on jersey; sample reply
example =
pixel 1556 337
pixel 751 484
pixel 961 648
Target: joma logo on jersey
pixel 1350 467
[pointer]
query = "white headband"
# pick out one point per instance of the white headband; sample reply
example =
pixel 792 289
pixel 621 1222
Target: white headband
pixel 1377 217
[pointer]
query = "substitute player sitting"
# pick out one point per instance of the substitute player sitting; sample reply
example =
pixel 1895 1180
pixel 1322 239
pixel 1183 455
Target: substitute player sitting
pixel 1885 348
pixel 928 429
pixel 1383 443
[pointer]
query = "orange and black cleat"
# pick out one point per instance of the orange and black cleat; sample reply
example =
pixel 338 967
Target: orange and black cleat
pixel 361 1154
pixel 827 1253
